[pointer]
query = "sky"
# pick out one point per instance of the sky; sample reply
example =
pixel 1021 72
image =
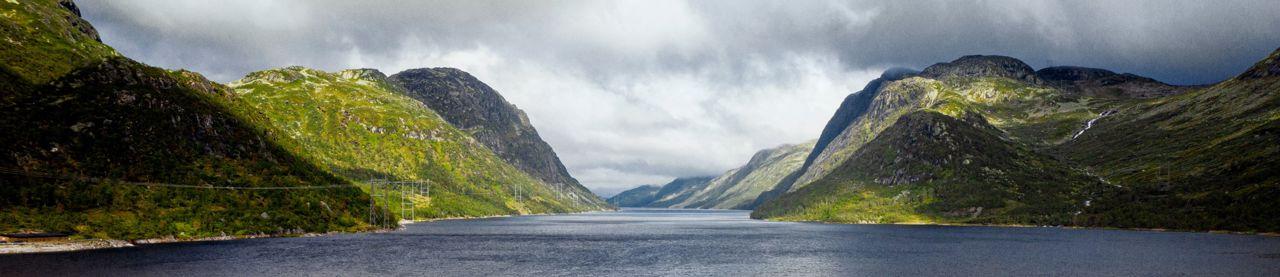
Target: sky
pixel 641 92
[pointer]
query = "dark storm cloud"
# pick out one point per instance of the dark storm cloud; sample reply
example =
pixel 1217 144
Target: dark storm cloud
pixel 642 91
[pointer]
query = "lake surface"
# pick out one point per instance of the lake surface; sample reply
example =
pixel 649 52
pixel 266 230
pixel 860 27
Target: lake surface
pixel 682 242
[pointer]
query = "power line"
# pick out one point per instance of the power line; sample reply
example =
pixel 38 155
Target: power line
pixel 12 171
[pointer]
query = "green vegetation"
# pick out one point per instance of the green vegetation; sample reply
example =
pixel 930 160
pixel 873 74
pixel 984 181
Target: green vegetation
pixel 362 127
pixel 738 188
pixel 125 121
pixel 100 146
pixel 43 40
pixel 1204 160
pixel 1154 156
pixel 930 167
pixel 471 105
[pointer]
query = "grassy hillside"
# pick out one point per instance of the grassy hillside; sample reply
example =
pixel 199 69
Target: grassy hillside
pixel 44 39
pixel 362 127
pixel 84 130
pixel 1205 159
pixel 127 122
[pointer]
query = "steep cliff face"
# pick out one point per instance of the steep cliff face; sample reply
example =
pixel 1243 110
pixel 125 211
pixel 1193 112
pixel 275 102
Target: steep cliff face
pixel 852 108
pixel 474 107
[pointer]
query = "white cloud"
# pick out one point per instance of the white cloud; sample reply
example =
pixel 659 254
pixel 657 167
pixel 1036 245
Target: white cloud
pixel 632 92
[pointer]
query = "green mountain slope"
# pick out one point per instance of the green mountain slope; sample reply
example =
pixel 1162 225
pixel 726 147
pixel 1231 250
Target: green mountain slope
pixel 87 134
pixel 1172 157
pixel 738 188
pixel 931 167
pixel 125 121
pixel 1204 159
pixel 44 39
pixel 474 107
pixel 361 126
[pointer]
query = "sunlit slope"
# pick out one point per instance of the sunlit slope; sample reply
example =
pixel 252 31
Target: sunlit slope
pixel 360 126
pixel 44 39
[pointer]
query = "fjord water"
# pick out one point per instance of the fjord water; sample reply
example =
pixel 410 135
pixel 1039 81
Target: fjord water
pixel 682 242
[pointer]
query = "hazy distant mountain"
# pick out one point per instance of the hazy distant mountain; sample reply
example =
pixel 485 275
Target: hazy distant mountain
pixel 636 197
pixel 738 188
pixel 666 196
pixel 735 189
pixel 476 108
pixel 985 139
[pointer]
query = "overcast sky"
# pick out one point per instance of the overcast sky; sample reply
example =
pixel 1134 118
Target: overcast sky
pixel 639 92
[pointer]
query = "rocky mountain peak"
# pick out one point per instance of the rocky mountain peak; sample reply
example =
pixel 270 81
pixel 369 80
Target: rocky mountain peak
pixel 1268 67
pixel 983 66
pixel 367 74
pixel 1072 73
pixel 77 22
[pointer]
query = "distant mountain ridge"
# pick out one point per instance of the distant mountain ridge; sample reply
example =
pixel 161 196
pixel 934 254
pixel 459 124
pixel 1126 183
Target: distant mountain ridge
pixel 737 188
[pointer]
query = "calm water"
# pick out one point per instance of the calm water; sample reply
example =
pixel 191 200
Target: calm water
pixel 682 242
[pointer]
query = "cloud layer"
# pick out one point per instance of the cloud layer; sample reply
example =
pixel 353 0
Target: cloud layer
pixel 632 92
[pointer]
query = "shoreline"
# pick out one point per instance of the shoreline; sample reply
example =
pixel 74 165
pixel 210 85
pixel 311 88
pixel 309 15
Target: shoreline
pixel 73 245
pixel 1218 232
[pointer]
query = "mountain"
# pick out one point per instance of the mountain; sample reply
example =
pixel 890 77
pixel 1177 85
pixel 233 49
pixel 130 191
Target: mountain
pixel 931 167
pixel 92 139
pixel 666 196
pixel 852 108
pixel 44 40
pixel 362 126
pixel 476 108
pixel 636 197
pixel 1205 159
pixel 738 188
pixel 986 139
